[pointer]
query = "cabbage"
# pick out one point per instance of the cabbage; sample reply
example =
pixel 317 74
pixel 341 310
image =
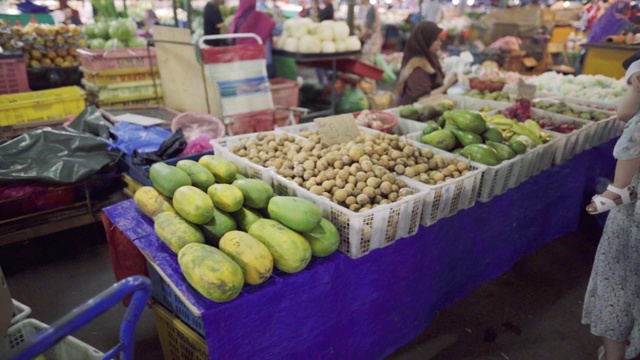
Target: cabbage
pixel 340 30
pixel 97 43
pixel 279 42
pixel 309 44
pixel 136 42
pixel 122 29
pixel 114 44
pixel 291 45
pixel 101 30
pixel 312 28
pixel 324 31
pixel 341 46
pixel 352 100
pixel 328 47
pixel 90 30
pixel 353 43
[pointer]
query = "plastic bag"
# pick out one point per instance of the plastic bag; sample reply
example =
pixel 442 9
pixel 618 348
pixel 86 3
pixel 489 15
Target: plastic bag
pixel 196 124
pixel 201 144
pixel 170 148
pixel 352 100
pixel 133 137
pixel 389 75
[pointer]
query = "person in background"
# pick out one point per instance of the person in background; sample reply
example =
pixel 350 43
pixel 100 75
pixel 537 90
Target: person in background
pixel 311 11
pixel 421 74
pixel 371 34
pixel 431 11
pixel 69 16
pixel 150 20
pixel 327 11
pixel 249 20
pixel 213 21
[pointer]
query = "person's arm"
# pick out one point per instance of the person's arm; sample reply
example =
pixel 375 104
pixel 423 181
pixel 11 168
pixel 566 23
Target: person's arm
pixel 368 24
pixel 629 106
pixel 448 83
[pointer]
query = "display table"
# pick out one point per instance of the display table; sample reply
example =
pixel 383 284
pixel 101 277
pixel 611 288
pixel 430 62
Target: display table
pixel 606 59
pixel 339 308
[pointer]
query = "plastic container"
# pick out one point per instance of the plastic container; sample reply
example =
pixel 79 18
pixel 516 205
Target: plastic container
pixel 54 77
pixel 20 312
pixel 68 348
pixel 257 121
pixel 360 233
pixel 485 85
pixel 570 144
pixel 284 92
pixel 195 124
pixel 177 340
pixel 132 101
pixel 389 120
pixel 41 105
pixel 119 76
pixel 98 60
pixel 115 92
pixel 13 74
pixel 163 294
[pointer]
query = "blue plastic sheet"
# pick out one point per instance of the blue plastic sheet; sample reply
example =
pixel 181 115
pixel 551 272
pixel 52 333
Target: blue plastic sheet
pixel 142 138
pixel 340 308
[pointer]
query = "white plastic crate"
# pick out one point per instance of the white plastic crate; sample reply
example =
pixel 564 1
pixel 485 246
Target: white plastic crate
pixel 568 145
pixel 68 348
pixel 222 147
pixel 362 232
pixel 20 312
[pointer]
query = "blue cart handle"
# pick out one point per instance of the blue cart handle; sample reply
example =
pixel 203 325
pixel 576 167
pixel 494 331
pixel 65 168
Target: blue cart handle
pixel 140 286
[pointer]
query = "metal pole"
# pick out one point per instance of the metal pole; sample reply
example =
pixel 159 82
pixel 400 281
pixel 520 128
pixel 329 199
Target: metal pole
pixel 350 16
pixel 187 3
pixel 175 13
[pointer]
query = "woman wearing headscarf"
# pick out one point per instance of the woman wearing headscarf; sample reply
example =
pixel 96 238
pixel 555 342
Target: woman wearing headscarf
pixel 249 20
pixel 421 74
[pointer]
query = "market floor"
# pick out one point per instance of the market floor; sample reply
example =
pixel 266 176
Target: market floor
pixel 531 312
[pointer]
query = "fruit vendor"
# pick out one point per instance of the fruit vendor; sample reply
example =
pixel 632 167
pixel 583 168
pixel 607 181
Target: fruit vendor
pixel 421 74
pixel 213 21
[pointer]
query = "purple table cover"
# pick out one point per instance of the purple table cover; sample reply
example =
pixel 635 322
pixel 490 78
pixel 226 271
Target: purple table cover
pixel 339 308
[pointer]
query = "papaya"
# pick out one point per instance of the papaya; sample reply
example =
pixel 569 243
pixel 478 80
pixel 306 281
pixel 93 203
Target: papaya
pixel 245 218
pixel 295 213
pixel 466 137
pixel 482 153
pixel 466 120
pixel 256 193
pixel 224 171
pixel 442 139
pixel 151 202
pixel 167 179
pixel 240 176
pixel 175 231
pixel 492 133
pixel 227 198
pixel 291 252
pixel 220 224
pixel 503 151
pixel 200 176
pixel 212 273
pixel 518 146
pixel 430 126
pixel 324 239
pixel 254 258
pixel 193 204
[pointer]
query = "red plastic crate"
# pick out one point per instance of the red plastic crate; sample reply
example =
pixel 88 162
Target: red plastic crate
pixel 284 92
pixel 13 75
pixel 352 66
pixel 98 60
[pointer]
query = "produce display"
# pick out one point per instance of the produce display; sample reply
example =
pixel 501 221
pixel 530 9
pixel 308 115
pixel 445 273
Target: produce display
pixel 307 37
pixel 117 34
pixel 596 88
pixel 359 175
pixel 564 109
pixel 488 141
pixel 44 45
pixel 487 95
pixel 522 111
pixel 228 230
pixel 426 112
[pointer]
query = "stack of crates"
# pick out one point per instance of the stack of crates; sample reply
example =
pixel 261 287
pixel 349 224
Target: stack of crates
pixel 13 73
pixel 36 107
pixel 121 77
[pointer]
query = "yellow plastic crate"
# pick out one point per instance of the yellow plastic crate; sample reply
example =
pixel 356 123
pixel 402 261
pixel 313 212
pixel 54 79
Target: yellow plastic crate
pixel 119 76
pixel 116 92
pixel 177 340
pixel 41 105
pixel 131 101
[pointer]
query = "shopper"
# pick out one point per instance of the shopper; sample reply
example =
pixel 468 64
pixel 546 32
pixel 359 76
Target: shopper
pixel 70 18
pixel 249 20
pixel 213 21
pixel 327 11
pixel 421 74
pixel 371 35
pixel 627 149
pixel 612 301
pixel 150 20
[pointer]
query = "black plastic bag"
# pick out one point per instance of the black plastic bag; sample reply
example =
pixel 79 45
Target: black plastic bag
pixel 170 148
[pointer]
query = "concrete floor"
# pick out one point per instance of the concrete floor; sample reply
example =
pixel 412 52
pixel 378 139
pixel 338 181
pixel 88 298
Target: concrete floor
pixel 531 312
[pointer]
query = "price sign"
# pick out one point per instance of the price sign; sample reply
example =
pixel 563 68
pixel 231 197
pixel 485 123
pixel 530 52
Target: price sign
pixel 526 91
pixel 337 129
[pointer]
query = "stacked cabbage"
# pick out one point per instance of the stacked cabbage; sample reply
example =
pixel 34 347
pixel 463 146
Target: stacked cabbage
pixel 597 88
pixel 307 37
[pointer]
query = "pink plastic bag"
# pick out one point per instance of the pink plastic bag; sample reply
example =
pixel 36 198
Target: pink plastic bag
pixel 201 144
pixel 194 125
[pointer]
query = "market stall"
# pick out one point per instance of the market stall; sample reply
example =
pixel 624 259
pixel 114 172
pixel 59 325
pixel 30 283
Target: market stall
pixel 605 58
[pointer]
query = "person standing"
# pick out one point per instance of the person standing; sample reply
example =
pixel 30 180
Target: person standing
pixel 248 19
pixel 371 35
pixel 327 12
pixel 213 21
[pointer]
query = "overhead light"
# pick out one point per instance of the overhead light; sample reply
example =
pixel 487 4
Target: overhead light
pixel 388 1
pixel 470 2
pixel 373 2
pixel 455 2
pixel 566 4
pixel 516 2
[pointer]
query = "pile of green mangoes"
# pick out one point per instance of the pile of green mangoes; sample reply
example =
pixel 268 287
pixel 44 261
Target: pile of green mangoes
pixel 564 109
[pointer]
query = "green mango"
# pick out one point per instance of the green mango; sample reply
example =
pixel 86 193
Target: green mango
pixel 460 151
pixel 492 133
pixel 408 112
pixel 517 146
pixel 430 127
pixel 466 120
pixel 442 139
pixel 466 138
pixel 503 151
pixel 482 153
pixel 441 121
